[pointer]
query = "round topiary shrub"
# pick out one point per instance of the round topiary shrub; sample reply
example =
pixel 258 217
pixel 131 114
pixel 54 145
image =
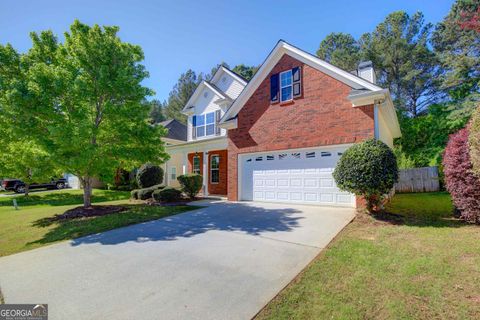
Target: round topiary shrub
pixel 167 194
pixel 368 169
pixel 460 180
pixel 191 184
pixel 149 175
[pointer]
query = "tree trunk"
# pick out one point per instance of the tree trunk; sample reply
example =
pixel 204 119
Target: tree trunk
pixel 27 189
pixel 87 192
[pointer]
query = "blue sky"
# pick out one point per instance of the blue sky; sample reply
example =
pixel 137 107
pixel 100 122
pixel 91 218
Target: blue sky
pixel 178 35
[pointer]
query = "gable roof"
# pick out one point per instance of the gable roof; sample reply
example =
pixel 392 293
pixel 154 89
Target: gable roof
pixel 233 74
pixel 176 129
pixel 198 90
pixel 272 59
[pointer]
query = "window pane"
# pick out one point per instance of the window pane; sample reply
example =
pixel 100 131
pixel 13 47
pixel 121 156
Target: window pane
pixel 286 93
pixel 200 120
pixel 200 131
pixel 286 78
pixel 196 165
pixel 215 162
pixel 210 129
pixel 215 176
pixel 211 117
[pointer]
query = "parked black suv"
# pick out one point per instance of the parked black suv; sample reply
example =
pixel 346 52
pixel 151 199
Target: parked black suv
pixel 19 186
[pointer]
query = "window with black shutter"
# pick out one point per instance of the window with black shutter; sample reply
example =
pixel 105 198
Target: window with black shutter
pixel 297 82
pixel 194 125
pixel 274 86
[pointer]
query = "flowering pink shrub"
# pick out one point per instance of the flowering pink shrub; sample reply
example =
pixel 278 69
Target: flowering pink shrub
pixel 462 184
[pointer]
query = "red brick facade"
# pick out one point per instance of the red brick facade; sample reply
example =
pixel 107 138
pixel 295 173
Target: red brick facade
pixel 219 188
pixel 322 116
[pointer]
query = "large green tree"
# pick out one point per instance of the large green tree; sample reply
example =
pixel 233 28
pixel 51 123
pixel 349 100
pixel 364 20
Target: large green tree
pixel 181 92
pixel 82 101
pixel 156 110
pixel 247 72
pixel 399 49
pixel 457 43
pixel 341 50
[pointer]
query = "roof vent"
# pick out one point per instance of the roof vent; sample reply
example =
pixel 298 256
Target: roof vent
pixel 366 71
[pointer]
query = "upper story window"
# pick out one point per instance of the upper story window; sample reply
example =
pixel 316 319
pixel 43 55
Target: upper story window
pixel 286 86
pixel 204 125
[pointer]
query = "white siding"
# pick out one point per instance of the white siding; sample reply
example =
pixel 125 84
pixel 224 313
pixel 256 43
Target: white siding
pixel 204 104
pixel 384 133
pixel 229 85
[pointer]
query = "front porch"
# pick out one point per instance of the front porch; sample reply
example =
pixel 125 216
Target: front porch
pixel 207 158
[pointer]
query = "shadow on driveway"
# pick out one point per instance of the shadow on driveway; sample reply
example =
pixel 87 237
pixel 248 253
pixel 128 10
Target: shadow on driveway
pixel 246 218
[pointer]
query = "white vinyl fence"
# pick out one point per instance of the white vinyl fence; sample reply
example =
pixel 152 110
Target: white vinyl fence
pixel 418 180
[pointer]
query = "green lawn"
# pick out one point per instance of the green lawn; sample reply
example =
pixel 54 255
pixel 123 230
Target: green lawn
pixel 26 228
pixel 420 265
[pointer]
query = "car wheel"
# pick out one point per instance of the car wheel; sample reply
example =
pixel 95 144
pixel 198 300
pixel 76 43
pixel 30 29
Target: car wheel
pixel 20 189
pixel 60 185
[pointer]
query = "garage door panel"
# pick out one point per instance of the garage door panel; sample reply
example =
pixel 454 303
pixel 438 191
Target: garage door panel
pixel 299 176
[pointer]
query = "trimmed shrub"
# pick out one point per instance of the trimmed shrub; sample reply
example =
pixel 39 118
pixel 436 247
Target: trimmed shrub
pixel 191 184
pixel 167 194
pixel 149 175
pixel 460 180
pixel 368 169
pixel 474 142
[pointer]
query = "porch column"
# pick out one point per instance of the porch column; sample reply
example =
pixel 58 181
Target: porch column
pixel 165 173
pixel 185 161
pixel 205 173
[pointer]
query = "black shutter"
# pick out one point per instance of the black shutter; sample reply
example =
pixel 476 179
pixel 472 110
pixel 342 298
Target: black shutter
pixel 274 94
pixel 297 82
pixel 194 125
pixel 217 121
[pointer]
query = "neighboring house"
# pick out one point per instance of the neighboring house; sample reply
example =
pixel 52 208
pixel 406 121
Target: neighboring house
pixel 286 128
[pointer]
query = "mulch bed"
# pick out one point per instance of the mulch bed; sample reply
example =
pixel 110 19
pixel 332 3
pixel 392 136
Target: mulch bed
pixel 93 211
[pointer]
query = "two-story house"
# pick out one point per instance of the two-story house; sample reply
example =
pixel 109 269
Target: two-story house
pixel 279 137
pixel 204 150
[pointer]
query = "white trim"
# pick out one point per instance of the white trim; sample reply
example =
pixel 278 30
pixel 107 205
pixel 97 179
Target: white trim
pixel 241 156
pixel 205 173
pixel 230 124
pixel 193 164
pixel 291 85
pixel 188 106
pixel 229 72
pixel 383 99
pixel 375 121
pixel 205 124
pixel 284 48
pixel 210 168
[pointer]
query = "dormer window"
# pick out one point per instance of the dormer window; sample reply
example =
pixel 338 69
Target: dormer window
pixel 204 125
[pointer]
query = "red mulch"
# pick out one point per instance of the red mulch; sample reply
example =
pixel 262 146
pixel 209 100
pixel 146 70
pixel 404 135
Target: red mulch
pixel 93 211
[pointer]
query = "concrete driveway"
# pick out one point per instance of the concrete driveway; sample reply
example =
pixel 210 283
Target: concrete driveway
pixel 224 261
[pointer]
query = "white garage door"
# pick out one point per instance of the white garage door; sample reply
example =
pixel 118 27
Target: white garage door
pixel 298 176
